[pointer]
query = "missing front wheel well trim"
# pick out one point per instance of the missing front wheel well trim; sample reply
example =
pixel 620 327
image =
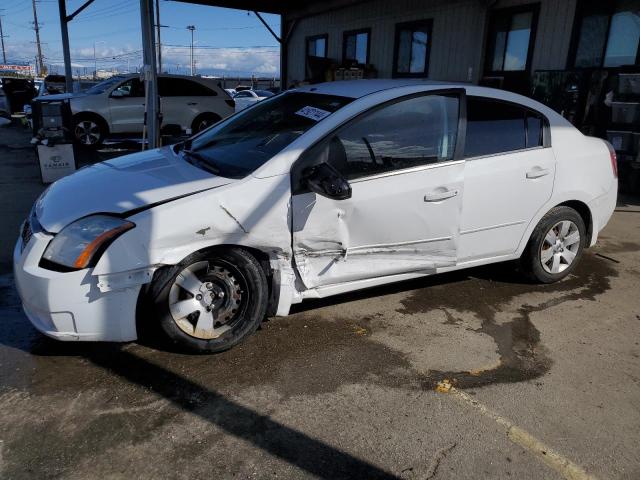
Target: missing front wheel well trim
pixel 164 274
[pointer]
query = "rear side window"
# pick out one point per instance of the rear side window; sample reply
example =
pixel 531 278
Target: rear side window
pixel 180 87
pixel 534 130
pixel 493 127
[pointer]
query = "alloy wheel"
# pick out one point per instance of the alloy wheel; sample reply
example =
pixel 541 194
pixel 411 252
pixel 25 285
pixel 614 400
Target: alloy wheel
pixel 206 299
pixel 87 132
pixel 560 247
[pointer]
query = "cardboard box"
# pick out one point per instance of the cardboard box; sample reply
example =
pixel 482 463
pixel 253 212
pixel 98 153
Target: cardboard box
pixel 56 161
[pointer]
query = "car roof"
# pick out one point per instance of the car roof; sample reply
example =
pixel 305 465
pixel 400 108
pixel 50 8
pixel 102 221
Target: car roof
pixel 359 88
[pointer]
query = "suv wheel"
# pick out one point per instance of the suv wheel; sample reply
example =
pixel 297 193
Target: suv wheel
pixel 89 131
pixel 204 121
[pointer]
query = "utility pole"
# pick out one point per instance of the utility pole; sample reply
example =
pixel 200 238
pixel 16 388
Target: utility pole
pixel 66 53
pixel 4 54
pixel 36 27
pixel 192 28
pixel 158 34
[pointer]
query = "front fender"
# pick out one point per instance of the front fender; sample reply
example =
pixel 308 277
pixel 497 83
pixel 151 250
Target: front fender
pixel 253 213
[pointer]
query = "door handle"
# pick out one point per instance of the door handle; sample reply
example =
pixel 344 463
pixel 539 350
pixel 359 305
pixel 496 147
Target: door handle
pixel 538 172
pixel 192 103
pixel 438 196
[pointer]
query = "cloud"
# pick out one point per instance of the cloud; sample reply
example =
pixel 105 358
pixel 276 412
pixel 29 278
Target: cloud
pixel 260 61
pixel 230 61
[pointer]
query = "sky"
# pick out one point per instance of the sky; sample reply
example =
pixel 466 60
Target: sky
pixel 227 42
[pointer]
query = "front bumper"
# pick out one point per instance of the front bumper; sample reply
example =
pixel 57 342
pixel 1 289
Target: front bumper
pixel 69 305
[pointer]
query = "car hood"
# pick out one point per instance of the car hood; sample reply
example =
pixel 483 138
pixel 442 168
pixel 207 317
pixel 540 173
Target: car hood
pixel 120 185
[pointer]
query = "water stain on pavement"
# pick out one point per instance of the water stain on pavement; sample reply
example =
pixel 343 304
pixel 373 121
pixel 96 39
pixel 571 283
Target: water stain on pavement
pixel 485 293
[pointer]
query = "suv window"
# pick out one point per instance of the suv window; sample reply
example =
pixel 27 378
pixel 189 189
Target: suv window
pixel 404 134
pixel 181 87
pixel 131 88
pixel 496 127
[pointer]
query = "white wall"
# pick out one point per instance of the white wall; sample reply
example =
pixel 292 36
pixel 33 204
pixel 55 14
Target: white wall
pixel 457 48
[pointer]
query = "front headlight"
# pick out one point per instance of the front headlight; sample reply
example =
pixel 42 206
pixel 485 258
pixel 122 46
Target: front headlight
pixel 80 244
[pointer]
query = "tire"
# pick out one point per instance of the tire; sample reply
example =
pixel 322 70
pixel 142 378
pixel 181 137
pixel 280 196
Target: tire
pixel 204 121
pixel 89 130
pixel 224 295
pixel 555 246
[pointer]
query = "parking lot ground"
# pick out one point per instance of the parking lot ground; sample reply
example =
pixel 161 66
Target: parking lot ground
pixel 473 374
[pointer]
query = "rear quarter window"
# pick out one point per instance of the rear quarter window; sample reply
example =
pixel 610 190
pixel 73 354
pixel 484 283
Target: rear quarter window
pixel 495 127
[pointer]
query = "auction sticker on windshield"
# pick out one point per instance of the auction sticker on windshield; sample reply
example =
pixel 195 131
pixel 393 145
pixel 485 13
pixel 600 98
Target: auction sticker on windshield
pixel 313 113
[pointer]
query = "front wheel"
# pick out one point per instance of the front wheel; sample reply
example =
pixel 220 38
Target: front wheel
pixel 89 131
pixel 204 121
pixel 556 245
pixel 211 301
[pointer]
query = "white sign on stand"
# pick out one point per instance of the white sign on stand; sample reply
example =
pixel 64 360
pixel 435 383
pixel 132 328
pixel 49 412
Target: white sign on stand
pixel 56 161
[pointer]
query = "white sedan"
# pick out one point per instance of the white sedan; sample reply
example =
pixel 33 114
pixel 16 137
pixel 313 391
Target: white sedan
pixel 318 191
pixel 246 98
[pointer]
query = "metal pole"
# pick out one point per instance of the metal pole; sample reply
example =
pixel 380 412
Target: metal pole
pixel 158 34
pixel 152 119
pixel 66 54
pixel 4 54
pixel 284 53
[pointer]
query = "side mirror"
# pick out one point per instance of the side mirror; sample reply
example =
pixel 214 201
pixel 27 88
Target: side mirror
pixel 325 180
pixel 117 94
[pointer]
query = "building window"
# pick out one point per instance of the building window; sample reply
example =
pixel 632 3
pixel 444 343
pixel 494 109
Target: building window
pixel 607 35
pixel 355 46
pixel 511 39
pixel 412 48
pixel 317 46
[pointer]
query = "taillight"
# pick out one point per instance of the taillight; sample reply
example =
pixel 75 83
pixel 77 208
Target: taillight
pixel 614 159
pixel 231 103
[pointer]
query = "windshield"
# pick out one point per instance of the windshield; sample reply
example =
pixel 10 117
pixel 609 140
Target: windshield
pixel 238 146
pixel 103 86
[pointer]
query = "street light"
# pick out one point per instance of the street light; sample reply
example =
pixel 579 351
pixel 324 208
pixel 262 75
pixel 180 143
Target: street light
pixel 191 28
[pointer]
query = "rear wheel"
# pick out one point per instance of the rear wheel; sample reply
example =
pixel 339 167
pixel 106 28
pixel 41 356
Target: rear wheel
pixel 212 301
pixel 556 245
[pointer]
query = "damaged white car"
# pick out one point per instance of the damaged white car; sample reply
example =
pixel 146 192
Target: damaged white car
pixel 314 192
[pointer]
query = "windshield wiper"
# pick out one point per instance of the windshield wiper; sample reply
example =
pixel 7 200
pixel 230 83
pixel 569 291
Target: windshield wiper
pixel 202 161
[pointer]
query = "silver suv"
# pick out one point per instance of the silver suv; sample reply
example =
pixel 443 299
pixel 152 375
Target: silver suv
pixel 116 106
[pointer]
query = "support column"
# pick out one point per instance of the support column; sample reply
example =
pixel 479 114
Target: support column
pixel 150 74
